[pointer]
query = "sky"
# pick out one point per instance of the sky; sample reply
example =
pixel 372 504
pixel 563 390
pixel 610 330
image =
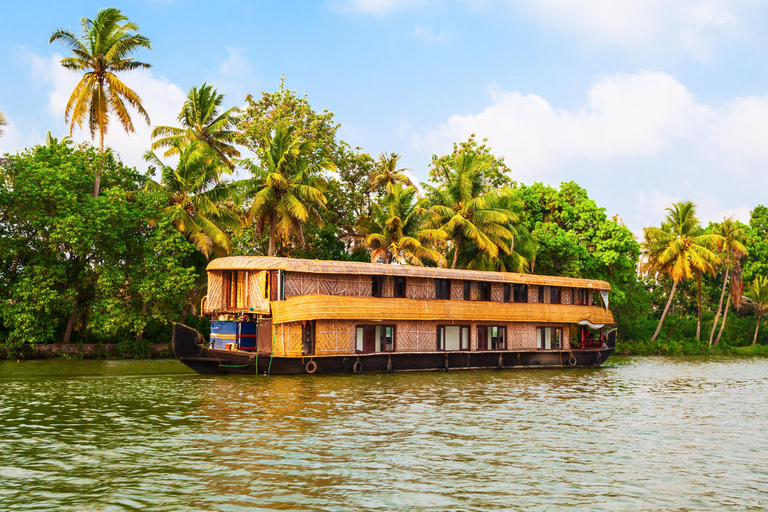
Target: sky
pixel 641 102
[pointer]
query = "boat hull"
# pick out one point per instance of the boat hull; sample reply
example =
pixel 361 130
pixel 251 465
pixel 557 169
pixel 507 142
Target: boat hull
pixel 189 348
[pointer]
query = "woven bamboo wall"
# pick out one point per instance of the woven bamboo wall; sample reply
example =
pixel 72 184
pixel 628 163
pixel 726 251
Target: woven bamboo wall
pixel 334 337
pixel 566 296
pixel 214 301
pixel 420 288
pixel 287 339
pixel 497 292
pixel 388 290
pixel 457 290
pixel 416 336
pixel 303 283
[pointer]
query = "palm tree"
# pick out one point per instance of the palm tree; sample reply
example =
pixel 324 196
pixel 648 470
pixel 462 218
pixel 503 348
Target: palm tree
pixel 195 195
pixel 394 233
pixel 103 49
pixel 51 141
pixel 757 296
pixel 677 251
pixel 731 248
pixel 285 190
pixel 523 246
pixel 2 123
pixel 462 209
pixel 201 119
pixel 386 174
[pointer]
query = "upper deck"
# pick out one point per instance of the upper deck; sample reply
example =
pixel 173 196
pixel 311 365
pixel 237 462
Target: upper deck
pixel 289 290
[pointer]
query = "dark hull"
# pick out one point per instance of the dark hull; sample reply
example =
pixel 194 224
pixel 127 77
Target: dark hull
pixel 188 347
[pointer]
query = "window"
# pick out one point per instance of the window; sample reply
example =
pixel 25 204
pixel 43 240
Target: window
pixel 554 295
pixel 507 292
pixel 377 286
pixel 549 338
pixel 400 287
pixel 308 338
pixel 442 289
pixel 467 290
pixel 520 292
pixel 484 291
pixel 375 338
pixel 452 337
pixel 491 337
pixel 584 297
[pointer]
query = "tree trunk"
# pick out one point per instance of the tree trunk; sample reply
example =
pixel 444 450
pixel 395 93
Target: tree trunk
pixel 754 340
pixel 666 308
pixel 71 321
pixel 456 252
pixel 725 317
pixel 272 233
pixel 140 335
pixel 97 184
pixel 698 325
pixel 719 306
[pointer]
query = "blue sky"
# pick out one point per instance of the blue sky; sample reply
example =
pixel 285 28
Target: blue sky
pixel 643 102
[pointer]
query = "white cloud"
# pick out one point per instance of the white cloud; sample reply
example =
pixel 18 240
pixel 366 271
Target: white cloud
pixel 235 77
pixel 643 133
pixel 161 99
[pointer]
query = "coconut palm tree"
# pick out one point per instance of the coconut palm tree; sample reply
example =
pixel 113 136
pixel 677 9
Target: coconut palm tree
pixel 285 189
pixel 202 120
pixel 676 250
pixel 522 248
pixel 196 195
pixel 731 248
pixel 2 123
pixel 386 174
pixel 104 48
pixel 51 141
pixel 395 232
pixel 462 209
pixel 757 297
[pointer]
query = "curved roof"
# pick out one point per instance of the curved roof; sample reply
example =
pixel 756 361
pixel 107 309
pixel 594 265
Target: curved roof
pixel 357 268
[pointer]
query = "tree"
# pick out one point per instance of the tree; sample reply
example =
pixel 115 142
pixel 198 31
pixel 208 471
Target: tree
pixel 201 120
pixel 195 197
pixel 285 190
pixel 677 251
pixel 496 173
pixel 3 122
pixel 460 208
pixel 757 296
pixel 394 233
pixel 74 267
pixel 731 248
pixel 103 49
pixel 386 173
pixel 51 141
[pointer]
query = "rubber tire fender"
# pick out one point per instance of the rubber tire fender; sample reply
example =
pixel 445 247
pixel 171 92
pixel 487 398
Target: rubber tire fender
pixel 311 367
pixel 357 367
pixel 572 360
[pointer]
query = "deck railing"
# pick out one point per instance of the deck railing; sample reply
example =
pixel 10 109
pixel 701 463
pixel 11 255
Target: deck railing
pixel 592 343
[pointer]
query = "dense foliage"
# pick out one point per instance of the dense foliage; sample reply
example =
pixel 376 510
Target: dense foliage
pixel 123 261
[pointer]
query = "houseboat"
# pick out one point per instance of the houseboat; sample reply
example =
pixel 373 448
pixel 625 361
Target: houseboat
pixel 291 316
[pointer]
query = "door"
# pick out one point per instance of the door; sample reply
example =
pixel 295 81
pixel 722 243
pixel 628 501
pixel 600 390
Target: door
pixel 308 338
pixel 482 338
pixel 369 338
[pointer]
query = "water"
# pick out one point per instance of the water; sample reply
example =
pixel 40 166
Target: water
pixel 639 434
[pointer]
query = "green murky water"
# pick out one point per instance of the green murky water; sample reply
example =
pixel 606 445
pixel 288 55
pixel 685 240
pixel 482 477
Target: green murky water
pixel 639 434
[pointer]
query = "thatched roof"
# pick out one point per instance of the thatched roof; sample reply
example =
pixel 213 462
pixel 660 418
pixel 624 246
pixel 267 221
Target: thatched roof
pixel 352 267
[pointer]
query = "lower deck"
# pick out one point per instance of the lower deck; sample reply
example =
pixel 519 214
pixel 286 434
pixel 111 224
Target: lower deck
pixel 189 348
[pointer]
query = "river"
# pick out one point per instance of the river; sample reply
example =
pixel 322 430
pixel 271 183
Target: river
pixel 637 434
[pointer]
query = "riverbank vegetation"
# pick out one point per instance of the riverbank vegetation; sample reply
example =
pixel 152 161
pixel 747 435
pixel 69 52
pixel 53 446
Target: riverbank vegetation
pixel 92 251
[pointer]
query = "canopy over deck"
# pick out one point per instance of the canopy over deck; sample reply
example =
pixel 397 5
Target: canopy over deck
pixel 377 269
